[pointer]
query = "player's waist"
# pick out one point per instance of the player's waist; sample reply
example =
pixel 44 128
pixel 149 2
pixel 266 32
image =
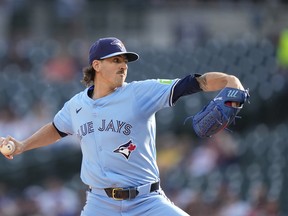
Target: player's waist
pixel 126 193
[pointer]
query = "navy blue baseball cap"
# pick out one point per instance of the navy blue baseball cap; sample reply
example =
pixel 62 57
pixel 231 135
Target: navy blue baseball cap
pixel 109 47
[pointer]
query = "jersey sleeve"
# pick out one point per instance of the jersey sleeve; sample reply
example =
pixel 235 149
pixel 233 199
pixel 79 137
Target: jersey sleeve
pixel 155 94
pixel 62 120
pixel 186 86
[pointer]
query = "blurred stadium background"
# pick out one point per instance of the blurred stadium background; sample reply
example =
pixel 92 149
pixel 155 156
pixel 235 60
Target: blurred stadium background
pixel 44 45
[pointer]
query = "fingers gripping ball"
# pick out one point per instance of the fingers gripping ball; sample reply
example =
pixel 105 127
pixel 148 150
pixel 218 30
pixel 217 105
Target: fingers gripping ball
pixel 8 149
pixel 220 112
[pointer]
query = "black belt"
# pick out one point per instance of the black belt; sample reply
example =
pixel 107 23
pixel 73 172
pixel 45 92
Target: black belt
pixel 127 193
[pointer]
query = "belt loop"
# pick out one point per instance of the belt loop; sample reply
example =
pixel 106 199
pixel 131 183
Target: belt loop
pixel 133 192
pixel 145 189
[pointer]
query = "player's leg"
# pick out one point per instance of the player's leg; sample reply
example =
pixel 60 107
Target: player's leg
pixel 100 205
pixel 156 204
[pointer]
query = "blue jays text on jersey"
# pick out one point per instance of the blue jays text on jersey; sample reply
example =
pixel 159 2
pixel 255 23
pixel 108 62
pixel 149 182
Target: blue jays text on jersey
pixel 107 125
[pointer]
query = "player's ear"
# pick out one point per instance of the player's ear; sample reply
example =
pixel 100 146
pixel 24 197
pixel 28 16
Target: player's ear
pixel 96 65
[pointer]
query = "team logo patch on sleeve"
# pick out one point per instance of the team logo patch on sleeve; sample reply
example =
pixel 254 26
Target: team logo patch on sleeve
pixel 126 149
pixel 165 81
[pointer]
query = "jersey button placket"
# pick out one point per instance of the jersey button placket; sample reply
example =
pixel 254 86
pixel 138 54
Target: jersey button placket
pixel 98 142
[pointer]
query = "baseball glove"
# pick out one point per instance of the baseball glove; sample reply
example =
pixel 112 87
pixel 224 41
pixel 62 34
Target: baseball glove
pixel 219 113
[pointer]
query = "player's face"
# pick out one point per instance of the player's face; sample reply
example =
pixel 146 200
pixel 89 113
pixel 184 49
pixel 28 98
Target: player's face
pixel 113 71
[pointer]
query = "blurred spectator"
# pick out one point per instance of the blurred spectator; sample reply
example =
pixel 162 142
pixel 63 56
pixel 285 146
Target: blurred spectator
pixel 219 152
pixel 57 199
pixel 231 203
pixel 197 207
pixel 26 203
pixel 8 206
pixel 261 205
pixel 59 69
pixel 191 33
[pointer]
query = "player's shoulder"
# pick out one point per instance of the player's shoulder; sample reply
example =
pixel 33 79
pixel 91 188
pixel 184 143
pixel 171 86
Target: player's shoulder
pixel 151 86
pixel 80 96
pixel 153 82
pixel 139 84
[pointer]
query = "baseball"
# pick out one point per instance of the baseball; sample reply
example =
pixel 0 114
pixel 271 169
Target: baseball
pixel 8 149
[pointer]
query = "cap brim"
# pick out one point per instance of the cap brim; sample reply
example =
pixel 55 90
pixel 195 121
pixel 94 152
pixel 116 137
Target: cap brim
pixel 131 56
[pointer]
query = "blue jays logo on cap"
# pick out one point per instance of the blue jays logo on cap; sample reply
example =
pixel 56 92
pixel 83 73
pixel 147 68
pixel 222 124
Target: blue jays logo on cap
pixel 126 149
pixel 119 44
pixel 109 47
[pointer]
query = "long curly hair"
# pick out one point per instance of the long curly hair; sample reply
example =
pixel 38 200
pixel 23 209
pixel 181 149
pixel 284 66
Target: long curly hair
pixel 88 76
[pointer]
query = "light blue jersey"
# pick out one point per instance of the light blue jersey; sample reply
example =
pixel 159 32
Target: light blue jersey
pixel 117 132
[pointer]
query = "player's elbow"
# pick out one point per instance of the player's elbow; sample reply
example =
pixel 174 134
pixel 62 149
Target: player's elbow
pixel 233 82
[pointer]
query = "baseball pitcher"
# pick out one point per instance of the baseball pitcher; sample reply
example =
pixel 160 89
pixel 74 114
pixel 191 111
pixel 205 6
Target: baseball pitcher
pixel 115 124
